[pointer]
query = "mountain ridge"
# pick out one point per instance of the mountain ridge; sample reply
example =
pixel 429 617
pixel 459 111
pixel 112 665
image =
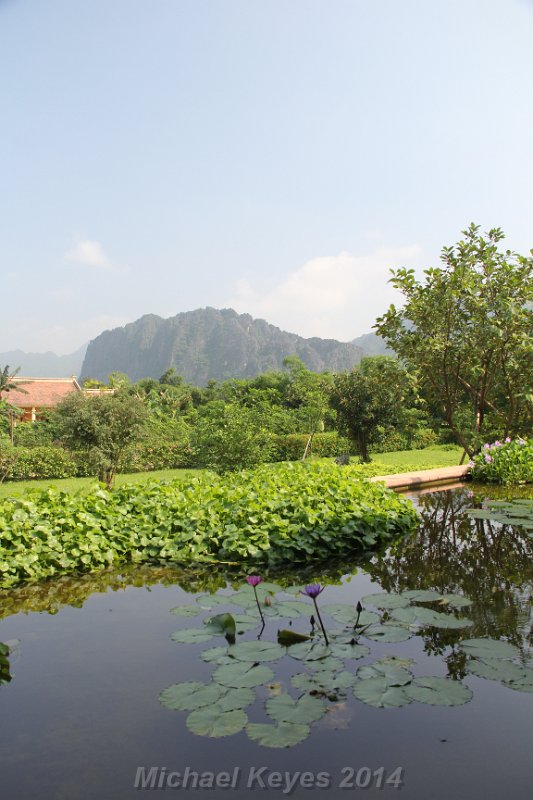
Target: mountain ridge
pixel 206 344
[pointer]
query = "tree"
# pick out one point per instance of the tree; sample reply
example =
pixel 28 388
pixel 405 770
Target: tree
pixel 310 392
pixel 103 427
pixel 466 328
pixel 7 384
pixel 376 395
pixel 227 437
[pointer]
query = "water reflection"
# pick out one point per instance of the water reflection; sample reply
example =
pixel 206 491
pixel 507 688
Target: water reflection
pixel 490 563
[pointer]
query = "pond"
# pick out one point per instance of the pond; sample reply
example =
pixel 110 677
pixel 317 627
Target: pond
pixel 87 710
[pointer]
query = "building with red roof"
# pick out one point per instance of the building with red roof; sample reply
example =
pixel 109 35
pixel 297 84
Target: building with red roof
pixel 39 394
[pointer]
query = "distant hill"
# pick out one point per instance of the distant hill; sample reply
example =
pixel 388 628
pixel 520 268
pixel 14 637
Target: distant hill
pixel 372 344
pixel 208 344
pixel 44 365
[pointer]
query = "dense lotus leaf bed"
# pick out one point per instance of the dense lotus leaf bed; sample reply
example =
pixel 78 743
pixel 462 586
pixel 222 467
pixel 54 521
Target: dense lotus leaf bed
pixel 276 514
pixel 322 673
pixel 518 513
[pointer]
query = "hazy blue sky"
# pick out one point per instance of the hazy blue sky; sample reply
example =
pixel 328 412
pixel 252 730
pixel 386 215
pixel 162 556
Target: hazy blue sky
pixel 276 156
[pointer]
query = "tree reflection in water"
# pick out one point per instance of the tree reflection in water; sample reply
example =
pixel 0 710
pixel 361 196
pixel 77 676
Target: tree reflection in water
pixel 490 563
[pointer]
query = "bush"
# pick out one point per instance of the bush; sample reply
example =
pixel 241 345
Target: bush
pixel 33 434
pixel 504 462
pixel 284 513
pixel 227 438
pixel 395 440
pixel 33 463
pixel 324 445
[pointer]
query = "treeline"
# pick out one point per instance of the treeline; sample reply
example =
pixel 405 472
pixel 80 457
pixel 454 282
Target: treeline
pixel 288 414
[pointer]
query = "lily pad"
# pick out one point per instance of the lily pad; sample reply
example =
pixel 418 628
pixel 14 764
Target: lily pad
pixel 190 695
pixel 192 635
pixel 418 615
pixel 395 676
pixel 489 648
pixel 186 611
pixel 342 612
pixel 221 624
pixel 422 595
pixel 349 650
pixel 235 698
pixel 386 600
pixel 380 693
pixel 242 675
pixel 208 601
pixel 309 651
pixel 257 651
pixel 214 722
pixel 215 654
pixel 323 682
pixel 284 708
pixel 439 691
pixel 387 633
pixel 284 734
pixel 288 609
pixel 515 676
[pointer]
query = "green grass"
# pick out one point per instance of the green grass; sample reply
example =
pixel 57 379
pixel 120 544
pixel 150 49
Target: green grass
pixel 429 458
pixel 400 461
pixel 75 485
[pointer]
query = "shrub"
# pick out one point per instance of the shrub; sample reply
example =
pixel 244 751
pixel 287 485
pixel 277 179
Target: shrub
pixel 396 440
pixel 227 437
pixel 505 462
pixel 29 463
pixel 284 513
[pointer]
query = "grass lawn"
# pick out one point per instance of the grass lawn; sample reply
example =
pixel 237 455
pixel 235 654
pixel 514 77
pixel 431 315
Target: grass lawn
pixel 17 488
pixel 400 461
pixel 429 458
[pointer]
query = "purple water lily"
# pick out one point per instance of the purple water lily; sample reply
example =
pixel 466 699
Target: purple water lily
pixel 312 591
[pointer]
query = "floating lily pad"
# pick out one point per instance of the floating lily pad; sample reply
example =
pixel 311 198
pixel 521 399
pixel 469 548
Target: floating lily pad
pixel 209 601
pixel 349 650
pixel 288 609
pixel 242 675
pixel 214 722
pixel 309 651
pixel 284 708
pixel 323 682
pixel 386 600
pixel 380 693
pixel 192 636
pixel 342 612
pixel 329 664
pixel 186 611
pixel 394 675
pixel 221 624
pixel 456 601
pixel 387 633
pixel 422 595
pixel 515 676
pixel 418 615
pixel 489 648
pixel 284 734
pixel 439 691
pixel 235 698
pixel 257 651
pixel 190 695
pixel 215 654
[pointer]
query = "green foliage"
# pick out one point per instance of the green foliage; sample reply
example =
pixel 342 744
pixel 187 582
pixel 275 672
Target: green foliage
pixel 165 444
pixel 509 462
pixel 227 437
pixel 289 513
pixel 103 427
pixel 372 399
pixel 467 329
pixel 32 463
pixel 324 445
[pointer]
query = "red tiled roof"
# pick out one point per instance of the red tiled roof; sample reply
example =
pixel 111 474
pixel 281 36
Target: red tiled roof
pixel 41 392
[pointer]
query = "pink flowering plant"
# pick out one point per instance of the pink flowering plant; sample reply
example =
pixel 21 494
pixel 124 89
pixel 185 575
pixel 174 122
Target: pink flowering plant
pixel 508 462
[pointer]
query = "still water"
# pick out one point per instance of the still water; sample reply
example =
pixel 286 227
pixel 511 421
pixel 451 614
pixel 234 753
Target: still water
pixel 81 714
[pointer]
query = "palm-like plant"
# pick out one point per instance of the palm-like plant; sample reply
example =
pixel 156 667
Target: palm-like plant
pixel 7 383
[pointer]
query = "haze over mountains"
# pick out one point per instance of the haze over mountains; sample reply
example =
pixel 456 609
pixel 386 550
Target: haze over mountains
pixel 201 345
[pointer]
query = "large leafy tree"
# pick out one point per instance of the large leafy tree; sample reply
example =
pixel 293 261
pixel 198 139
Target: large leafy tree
pixel 103 427
pixel 376 396
pixel 467 329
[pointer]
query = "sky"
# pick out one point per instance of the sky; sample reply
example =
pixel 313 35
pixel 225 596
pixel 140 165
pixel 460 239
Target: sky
pixel 274 156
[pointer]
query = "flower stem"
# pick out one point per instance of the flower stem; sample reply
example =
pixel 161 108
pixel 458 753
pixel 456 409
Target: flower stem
pixel 259 607
pixel 320 620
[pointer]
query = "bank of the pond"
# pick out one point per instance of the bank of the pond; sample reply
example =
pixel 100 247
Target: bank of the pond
pixel 286 513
